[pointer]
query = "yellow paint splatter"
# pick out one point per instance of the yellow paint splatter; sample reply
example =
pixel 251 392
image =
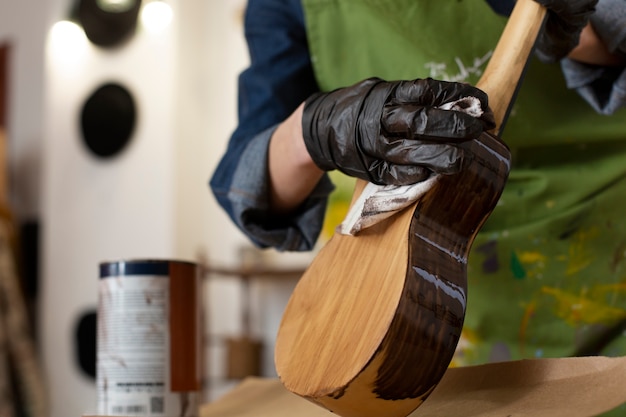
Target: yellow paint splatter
pixel 606 291
pixel 531 257
pixel 579 256
pixel 465 348
pixel 586 307
pixel 338 204
pixel 334 216
pixel 529 311
pixel 533 262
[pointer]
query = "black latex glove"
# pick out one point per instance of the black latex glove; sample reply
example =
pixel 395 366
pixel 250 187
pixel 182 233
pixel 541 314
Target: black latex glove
pixel 391 133
pixel 566 19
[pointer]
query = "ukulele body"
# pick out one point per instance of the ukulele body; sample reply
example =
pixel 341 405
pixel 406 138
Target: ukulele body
pixel 373 323
pixel 396 316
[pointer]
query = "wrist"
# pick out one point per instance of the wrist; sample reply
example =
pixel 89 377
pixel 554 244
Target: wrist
pixel 592 50
pixel 297 149
pixel 293 174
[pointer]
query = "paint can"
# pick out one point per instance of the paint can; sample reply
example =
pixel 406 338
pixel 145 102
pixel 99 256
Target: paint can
pixel 149 336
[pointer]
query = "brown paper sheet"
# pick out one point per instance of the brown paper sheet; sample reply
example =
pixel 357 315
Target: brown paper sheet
pixel 565 387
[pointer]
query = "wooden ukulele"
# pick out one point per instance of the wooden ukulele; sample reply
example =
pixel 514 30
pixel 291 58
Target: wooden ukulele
pixel 372 325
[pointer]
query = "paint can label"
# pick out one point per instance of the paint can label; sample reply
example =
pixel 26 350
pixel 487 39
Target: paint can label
pixel 149 333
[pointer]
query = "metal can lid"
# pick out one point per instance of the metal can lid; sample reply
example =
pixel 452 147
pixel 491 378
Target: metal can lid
pixel 139 267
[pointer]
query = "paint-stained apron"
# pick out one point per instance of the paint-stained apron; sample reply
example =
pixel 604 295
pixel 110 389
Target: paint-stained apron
pixel 547 273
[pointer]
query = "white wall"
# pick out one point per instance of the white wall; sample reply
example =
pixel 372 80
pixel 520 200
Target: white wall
pixel 94 209
pixel 151 201
pixel 212 53
pixel 22 24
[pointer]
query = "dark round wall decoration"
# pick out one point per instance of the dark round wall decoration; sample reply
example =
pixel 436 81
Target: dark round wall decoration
pixel 108 23
pixel 108 119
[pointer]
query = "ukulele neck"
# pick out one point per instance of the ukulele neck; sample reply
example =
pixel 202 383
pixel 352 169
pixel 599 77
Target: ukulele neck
pixel 505 69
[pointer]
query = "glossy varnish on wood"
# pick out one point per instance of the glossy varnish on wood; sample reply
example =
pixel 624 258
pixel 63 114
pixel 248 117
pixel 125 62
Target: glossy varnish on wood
pixel 373 323
pixel 390 339
pixel 428 321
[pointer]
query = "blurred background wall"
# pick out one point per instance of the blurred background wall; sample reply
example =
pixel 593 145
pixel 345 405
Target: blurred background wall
pixel 150 201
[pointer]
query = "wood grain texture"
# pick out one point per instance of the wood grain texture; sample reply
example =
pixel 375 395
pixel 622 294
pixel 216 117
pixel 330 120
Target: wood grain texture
pixel 185 327
pixel 371 330
pixel 508 62
pixel 372 325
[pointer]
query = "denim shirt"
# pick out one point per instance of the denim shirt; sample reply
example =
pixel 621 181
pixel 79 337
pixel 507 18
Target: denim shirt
pixel 279 78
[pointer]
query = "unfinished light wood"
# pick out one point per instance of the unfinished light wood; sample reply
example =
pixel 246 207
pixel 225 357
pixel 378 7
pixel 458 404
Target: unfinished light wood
pixel 373 323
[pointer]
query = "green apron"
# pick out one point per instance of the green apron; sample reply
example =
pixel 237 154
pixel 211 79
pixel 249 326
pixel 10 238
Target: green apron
pixel 547 273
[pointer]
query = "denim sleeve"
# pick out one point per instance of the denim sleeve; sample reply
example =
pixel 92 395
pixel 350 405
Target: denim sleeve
pixel 279 77
pixel 604 88
pixel 249 196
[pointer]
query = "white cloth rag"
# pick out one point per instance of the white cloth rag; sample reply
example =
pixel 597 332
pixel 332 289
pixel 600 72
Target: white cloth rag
pixel 378 202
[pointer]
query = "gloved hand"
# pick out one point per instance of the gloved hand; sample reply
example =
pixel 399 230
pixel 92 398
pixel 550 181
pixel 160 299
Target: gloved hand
pixel 566 19
pixel 391 133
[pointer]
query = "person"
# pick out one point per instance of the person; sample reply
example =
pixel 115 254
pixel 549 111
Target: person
pixel 547 272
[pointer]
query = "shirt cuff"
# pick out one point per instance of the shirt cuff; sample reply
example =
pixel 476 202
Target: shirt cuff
pixel 604 88
pixel 249 196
